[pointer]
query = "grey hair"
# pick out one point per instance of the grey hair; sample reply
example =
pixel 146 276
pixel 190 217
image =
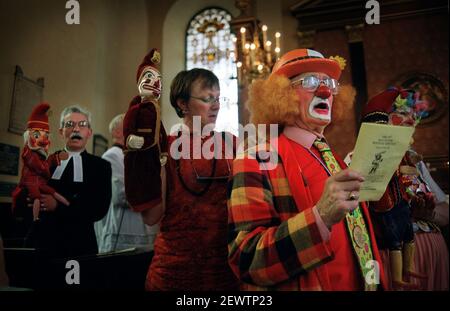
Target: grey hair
pixel 74 109
pixel 115 122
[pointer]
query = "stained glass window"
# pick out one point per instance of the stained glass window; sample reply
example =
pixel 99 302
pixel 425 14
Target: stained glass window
pixel 210 45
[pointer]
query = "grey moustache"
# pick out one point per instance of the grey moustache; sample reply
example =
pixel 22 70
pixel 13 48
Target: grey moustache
pixel 76 135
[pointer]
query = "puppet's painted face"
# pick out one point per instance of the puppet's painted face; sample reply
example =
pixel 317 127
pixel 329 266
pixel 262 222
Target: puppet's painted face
pixel 408 110
pixel 150 83
pixel 403 113
pixel 315 92
pixel 38 140
pixel 401 119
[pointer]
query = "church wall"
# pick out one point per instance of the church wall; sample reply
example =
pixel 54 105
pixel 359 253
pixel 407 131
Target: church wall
pixel 92 64
pixel 411 44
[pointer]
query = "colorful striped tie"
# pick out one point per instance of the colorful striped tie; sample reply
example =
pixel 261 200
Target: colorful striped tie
pixel 355 222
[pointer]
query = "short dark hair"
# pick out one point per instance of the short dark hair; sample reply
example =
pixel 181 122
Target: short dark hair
pixel 182 84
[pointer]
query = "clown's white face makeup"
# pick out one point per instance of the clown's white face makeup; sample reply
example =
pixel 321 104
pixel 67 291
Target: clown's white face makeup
pixel 320 108
pixel 150 84
pixel 315 106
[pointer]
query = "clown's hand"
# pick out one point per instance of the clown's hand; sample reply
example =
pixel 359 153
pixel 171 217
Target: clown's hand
pixel 135 142
pixel 340 196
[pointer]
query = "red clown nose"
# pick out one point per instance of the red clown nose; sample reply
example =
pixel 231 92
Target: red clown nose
pixel 323 92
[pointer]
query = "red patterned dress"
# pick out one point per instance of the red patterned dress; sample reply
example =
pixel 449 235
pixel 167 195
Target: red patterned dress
pixel 190 252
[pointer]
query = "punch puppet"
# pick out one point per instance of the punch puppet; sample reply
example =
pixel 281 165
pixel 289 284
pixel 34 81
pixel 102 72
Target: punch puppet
pixel 145 138
pixel 36 163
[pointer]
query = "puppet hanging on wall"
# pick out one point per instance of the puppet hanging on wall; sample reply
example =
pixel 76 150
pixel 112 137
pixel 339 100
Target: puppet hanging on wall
pixel 391 215
pixel 36 164
pixel 145 138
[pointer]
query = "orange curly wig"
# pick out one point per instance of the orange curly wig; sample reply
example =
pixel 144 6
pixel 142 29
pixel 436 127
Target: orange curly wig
pixel 274 101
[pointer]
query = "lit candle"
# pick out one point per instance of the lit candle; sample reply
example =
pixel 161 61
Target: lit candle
pixel 252 52
pixel 243 37
pixel 235 48
pixel 277 40
pixel 268 54
pixel 239 71
pixel 247 47
pixel 277 51
pixel 264 31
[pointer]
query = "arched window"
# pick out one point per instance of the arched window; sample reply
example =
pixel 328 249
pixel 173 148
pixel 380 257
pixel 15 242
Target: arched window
pixel 210 45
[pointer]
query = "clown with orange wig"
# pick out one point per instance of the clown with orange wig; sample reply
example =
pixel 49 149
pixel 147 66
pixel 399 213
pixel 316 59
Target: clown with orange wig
pixel 298 224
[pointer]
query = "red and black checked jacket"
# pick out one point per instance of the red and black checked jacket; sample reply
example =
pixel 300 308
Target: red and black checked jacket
pixel 273 245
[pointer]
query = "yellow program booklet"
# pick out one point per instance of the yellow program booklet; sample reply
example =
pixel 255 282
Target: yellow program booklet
pixel 377 154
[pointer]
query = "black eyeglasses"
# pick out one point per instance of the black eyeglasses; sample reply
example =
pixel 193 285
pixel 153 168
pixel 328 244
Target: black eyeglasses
pixel 72 124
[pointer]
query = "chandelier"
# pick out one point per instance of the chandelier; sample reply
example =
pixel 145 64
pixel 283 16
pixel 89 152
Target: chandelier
pixel 254 57
pixel 254 54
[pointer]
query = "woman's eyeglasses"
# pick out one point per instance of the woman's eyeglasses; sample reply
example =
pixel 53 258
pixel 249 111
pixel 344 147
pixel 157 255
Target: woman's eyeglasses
pixel 312 83
pixel 213 100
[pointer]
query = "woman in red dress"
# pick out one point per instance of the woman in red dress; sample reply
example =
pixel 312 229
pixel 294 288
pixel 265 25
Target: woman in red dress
pixel 190 252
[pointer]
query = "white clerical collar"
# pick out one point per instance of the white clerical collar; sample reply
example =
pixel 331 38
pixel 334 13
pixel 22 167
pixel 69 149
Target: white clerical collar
pixel 77 166
pixel 74 153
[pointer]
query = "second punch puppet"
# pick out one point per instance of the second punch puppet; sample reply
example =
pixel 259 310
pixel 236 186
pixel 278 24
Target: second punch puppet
pixel 145 138
pixel 36 164
pixel 391 215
